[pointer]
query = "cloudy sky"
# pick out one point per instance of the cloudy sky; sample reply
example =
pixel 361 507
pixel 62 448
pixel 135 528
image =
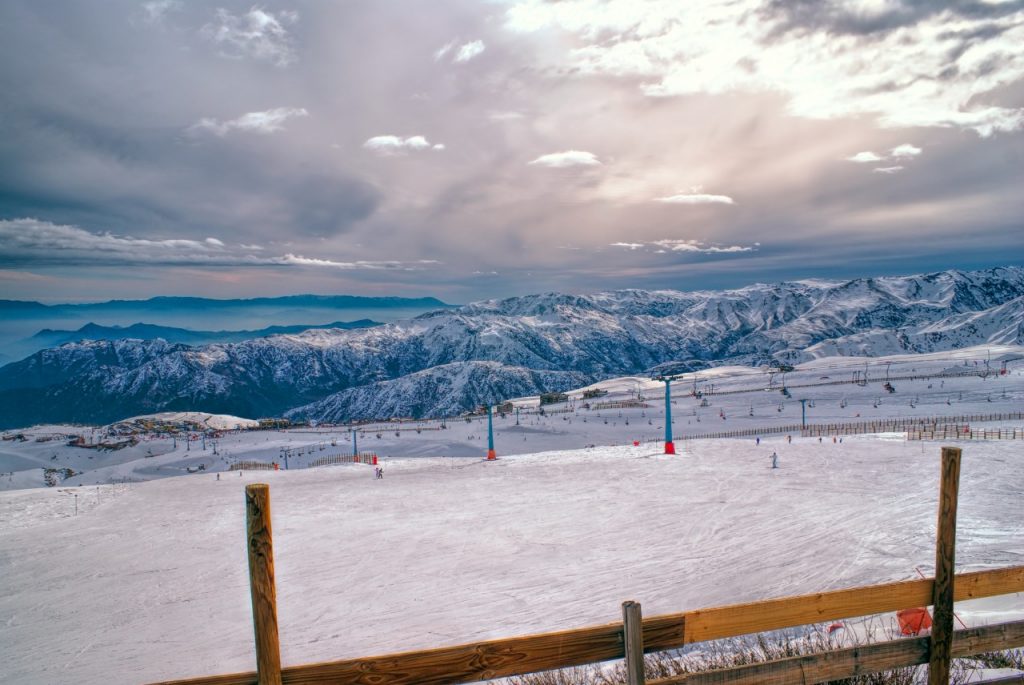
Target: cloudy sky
pixel 475 149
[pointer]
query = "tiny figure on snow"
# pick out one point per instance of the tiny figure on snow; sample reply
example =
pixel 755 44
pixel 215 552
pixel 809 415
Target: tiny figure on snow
pixel 757 441
pixel 775 460
pixel 218 476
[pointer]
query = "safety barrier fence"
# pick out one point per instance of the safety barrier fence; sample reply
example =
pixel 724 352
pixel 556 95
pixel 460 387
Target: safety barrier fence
pixel 892 425
pixel 636 635
pixel 957 433
pixel 249 465
pixel 329 460
pixel 621 404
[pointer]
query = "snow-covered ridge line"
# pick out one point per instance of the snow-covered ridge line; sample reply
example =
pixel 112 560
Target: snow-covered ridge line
pixel 553 341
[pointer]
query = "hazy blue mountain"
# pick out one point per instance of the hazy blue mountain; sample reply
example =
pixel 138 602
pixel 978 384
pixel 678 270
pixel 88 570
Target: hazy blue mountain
pixel 20 320
pixel 581 338
pixel 144 331
pixel 157 304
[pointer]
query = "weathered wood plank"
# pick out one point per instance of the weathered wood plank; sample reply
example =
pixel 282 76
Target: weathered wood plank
pixel 259 541
pixel 854 661
pixel 633 630
pixel 772 614
pixel 945 558
pixel 587 645
pixel 468 663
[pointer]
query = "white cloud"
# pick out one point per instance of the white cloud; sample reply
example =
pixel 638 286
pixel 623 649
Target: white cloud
pixel 465 52
pixel 48 242
pixel 268 121
pixel 865 157
pixel 924 72
pixel 470 50
pixel 155 11
pixel 257 33
pixel 443 50
pixel 33 241
pixel 698 246
pixel 905 150
pixel 567 159
pixel 299 260
pixel 696 199
pixel 887 169
pixel 394 145
pixel 504 116
pixel 674 245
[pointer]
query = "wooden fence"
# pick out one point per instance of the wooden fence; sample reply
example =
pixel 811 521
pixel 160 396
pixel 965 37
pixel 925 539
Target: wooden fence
pixel 619 404
pixel 958 433
pixel 250 465
pixel 890 425
pixel 331 459
pixel 635 635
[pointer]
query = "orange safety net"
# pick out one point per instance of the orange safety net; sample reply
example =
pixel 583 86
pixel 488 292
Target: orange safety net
pixel 913 621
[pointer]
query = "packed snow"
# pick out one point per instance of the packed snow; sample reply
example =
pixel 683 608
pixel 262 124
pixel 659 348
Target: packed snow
pixel 149 580
pixel 123 574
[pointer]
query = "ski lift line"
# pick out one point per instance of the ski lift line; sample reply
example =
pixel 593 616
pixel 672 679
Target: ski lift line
pixel 910 377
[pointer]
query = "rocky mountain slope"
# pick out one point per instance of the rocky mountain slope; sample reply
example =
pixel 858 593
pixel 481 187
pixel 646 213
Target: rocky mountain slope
pixel 446 390
pixel 590 337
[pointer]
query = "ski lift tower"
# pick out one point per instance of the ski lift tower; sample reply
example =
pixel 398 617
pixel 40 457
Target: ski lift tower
pixel 355 443
pixel 670 447
pixel 491 456
pixel 803 413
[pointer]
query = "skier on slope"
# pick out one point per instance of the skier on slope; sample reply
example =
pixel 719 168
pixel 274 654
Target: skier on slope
pixel 775 460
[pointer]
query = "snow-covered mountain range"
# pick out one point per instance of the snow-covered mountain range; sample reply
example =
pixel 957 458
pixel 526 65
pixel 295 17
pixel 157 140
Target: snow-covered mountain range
pixel 429 365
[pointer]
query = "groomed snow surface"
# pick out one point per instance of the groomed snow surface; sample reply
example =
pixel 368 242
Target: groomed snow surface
pixel 149 581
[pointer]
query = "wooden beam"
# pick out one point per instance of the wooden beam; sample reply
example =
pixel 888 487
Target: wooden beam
pixel 261 583
pixel 772 614
pixel 632 626
pixel 506 657
pixel 945 558
pixel 855 661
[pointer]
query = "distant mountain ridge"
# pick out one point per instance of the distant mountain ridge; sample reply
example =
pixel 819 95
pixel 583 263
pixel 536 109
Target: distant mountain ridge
pixel 204 303
pixel 144 331
pixel 545 341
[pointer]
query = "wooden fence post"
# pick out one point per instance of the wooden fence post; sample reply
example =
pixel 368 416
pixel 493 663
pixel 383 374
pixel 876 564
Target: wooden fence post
pixel 945 546
pixel 633 634
pixel 261 583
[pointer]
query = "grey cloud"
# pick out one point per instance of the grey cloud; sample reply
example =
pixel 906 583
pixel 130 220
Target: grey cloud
pixel 268 121
pixel 98 104
pixel 848 19
pixel 324 206
pixel 30 241
pixel 256 33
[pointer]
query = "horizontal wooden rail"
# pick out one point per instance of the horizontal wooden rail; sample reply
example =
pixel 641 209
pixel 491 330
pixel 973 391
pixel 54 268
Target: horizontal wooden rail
pixel 515 656
pixel 773 614
pixel 855 661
